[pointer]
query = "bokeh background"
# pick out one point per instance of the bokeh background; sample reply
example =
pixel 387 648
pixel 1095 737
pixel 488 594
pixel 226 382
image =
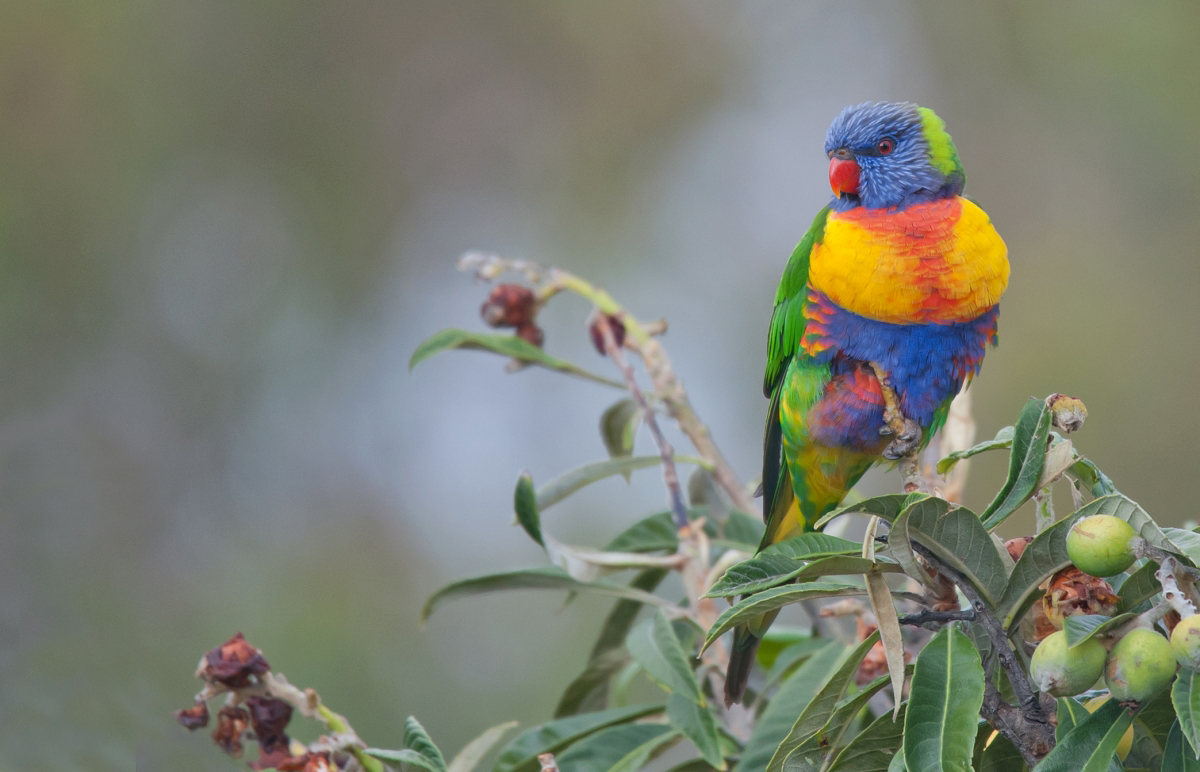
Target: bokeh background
pixel 224 227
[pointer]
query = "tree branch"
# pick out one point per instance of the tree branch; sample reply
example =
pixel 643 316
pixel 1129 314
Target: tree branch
pixel 926 617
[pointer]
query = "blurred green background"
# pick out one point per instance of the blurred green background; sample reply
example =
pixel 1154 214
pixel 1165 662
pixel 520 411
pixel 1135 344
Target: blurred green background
pixel 224 226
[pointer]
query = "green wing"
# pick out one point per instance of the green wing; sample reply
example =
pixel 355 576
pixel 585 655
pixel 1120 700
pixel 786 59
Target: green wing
pixel 787 327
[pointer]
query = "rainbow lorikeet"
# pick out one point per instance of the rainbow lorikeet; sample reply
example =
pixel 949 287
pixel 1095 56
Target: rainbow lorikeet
pixel 899 273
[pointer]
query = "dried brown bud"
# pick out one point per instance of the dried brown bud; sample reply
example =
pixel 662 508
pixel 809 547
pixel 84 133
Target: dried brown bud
pixel 596 330
pixel 231 723
pixel 279 758
pixel 509 305
pixel 195 717
pixel 1016 546
pixel 1067 414
pixel 531 333
pixel 309 762
pixel 233 663
pixel 269 717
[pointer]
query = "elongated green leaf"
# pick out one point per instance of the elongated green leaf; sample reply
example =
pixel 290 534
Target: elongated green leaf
pixel 696 722
pixel 897 764
pixel 473 752
pixel 742 531
pixel 1001 756
pixel 958 539
pixel 816 752
pixel 1030 437
pixel 1083 627
pixel 788 702
pixel 541 578
pixel 1002 441
pixel 520 755
pixel 1070 713
pixel 404 756
pixel 943 703
pixel 620 747
pixel 757 573
pixel 1088 476
pixel 1185 696
pixel 1151 725
pixel 417 739
pixel 766 571
pixel 564 485
pixel 654 646
pixel 504 345
pixel 776 597
pixel 818 712
pixel 1178 756
pixel 789 658
pixel 887 507
pixel 656 532
pixel 901 550
pixel 812 545
pixel 1138 587
pixel 873 748
pixel 525 505
pixel 618 428
pixel 620 620
pixel 692 765
pixel 1187 543
pixel 1090 745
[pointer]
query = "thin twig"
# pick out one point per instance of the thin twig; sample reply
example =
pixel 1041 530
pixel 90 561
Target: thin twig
pixel 670 474
pixel 922 618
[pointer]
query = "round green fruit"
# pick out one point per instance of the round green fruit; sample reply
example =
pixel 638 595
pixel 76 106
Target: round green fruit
pixel 1099 545
pixel 1064 671
pixel 1185 642
pixel 1139 665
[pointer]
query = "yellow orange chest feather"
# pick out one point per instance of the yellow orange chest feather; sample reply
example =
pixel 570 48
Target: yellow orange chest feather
pixel 940 261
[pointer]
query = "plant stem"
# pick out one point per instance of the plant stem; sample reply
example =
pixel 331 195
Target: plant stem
pixel 922 618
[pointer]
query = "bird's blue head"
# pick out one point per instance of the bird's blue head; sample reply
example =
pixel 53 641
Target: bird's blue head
pixel 890 155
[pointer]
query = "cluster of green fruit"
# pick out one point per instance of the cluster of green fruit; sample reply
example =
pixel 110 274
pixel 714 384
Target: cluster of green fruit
pixel 1142 661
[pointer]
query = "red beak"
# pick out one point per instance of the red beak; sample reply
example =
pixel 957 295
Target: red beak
pixel 843 176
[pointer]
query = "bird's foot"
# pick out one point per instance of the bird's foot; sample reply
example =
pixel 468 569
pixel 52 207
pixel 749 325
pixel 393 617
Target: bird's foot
pixel 906 442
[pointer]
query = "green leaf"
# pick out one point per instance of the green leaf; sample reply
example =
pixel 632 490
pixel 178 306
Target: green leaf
pixel 1001 756
pixel 819 711
pixel 789 658
pixel 654 646
pixel 808 546
pixel 816 752
pixel 622 748
pixel 1178 755
pixel 541 578
pixel 743 530
pixel 696 722
pixel 417 739
pixel 776 597
pixel 618 428
pixel 1185 696
pixel 525 505
pixel 692 765
pixel 520 755
pixel 473 752
pixel 788 702
pixel 889 631
pixel 1090 745
pixel 1089 475
pixel 1002 441
pixel 1151 725
pixel 589 690
pixel 873 748
pixel 404 756
pixel 957 538
pixel 1139 587
pixel 766 571
pixel 504 345
pixel 1042 558
pixel 1070 713
pixel 901 550
pixel 943 703
pixel 564 485
pixel 656 532
pixel 1029 443
pixel 1083 627
pixel 1187 543
pixel 887 507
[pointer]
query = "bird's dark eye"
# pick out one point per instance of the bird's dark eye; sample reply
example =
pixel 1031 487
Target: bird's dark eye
pixel 886 146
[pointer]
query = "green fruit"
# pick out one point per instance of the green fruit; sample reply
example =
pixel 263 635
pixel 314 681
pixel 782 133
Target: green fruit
pixel 1064 671
pixel 1139 665
pixel 1099 545
pixel 1185 642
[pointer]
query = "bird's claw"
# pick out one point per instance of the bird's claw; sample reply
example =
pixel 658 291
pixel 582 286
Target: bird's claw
pixel 906 442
